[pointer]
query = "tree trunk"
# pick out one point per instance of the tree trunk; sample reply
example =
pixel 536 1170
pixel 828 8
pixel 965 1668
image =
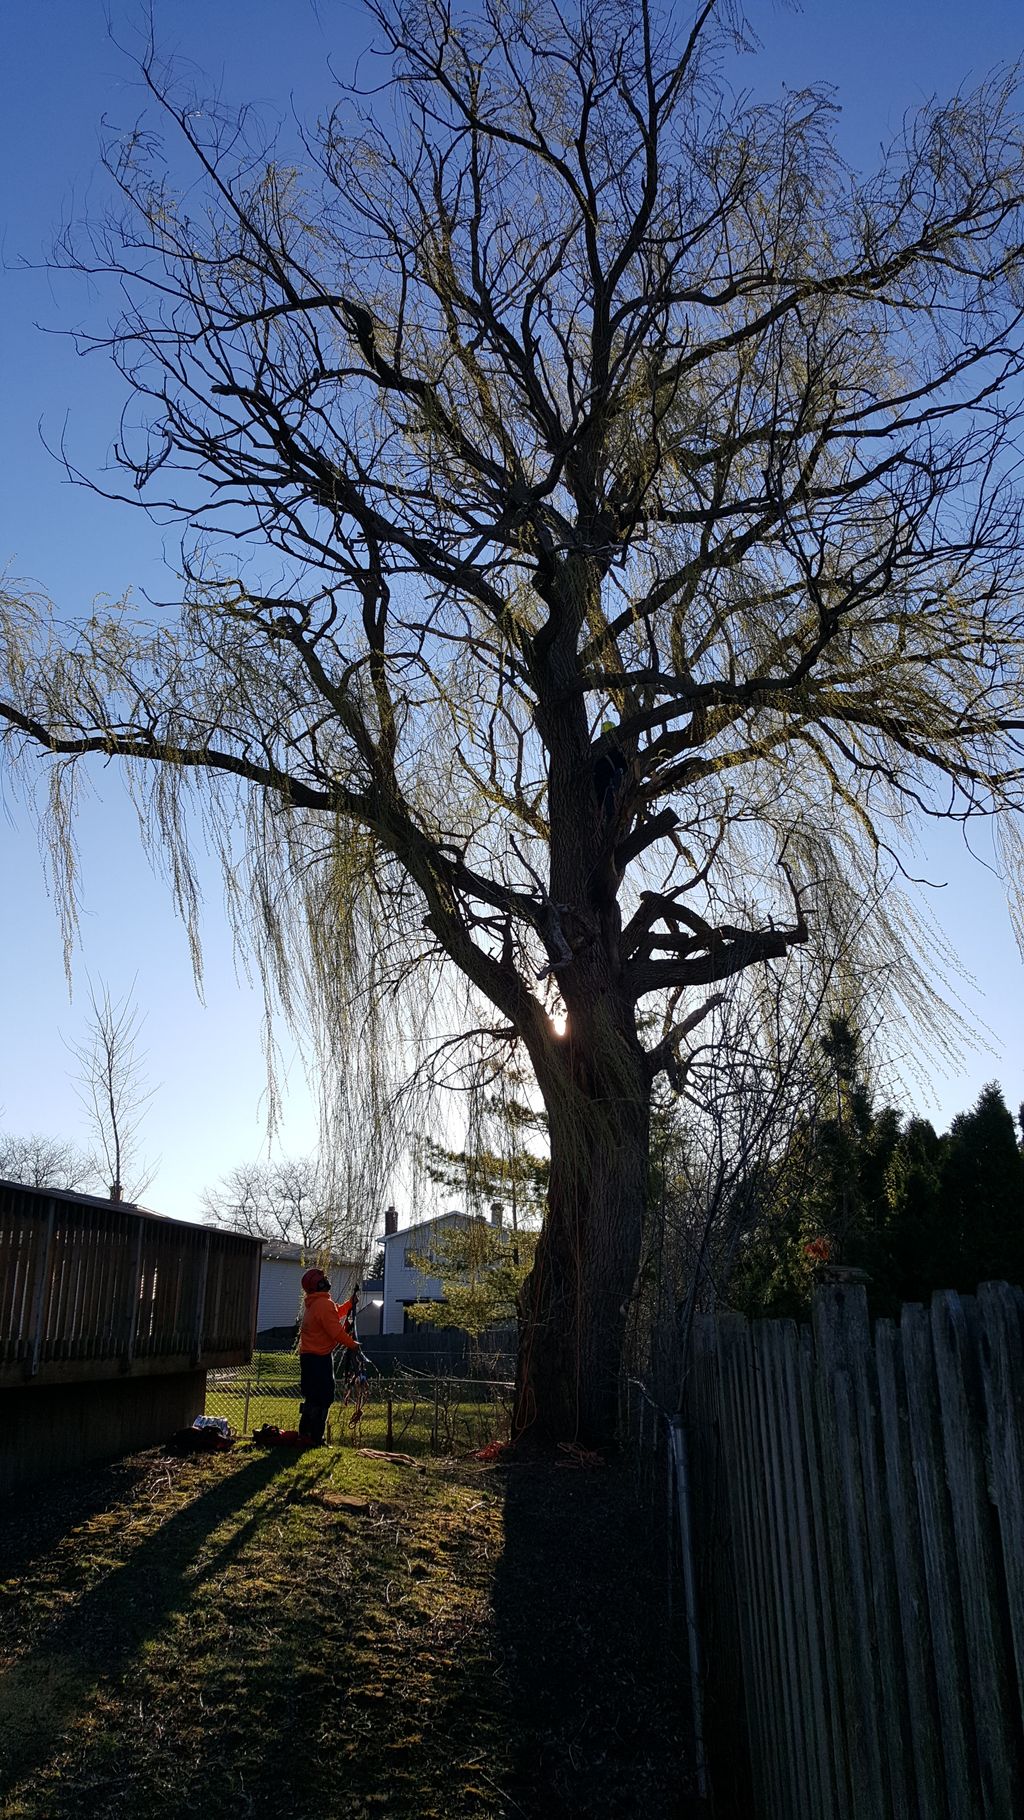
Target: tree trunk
pixel 574 1303
pixel 595 1081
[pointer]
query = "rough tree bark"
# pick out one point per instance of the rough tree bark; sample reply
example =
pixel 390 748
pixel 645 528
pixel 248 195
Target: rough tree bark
pixel 575 1301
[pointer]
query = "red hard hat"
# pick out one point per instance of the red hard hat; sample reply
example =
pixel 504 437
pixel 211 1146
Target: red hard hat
pixel 312 1279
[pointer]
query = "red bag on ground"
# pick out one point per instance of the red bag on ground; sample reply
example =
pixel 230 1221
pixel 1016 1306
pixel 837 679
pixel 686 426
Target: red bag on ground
pixel 269 1436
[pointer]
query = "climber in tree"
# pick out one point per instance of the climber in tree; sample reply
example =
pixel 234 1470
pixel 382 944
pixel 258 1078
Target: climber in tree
pixel 611 767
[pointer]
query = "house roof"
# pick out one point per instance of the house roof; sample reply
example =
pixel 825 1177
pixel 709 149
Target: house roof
pixel 279 1251
pixel 436 1219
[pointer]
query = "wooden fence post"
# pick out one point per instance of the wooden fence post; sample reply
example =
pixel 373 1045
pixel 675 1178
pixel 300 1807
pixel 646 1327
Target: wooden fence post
pixel 135 1293
pixel 677 1445
pixel 204 1271
pixel 880 1579
pixel 786 1676
pixel 670 1521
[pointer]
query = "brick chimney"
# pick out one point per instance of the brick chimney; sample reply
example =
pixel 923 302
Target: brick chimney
pixel 497 1214
pixel 390 1221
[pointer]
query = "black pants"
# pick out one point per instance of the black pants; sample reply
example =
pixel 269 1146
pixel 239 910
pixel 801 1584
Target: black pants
pixel 316 1381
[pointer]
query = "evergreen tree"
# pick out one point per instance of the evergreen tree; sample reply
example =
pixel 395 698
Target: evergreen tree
pixel 482 1269
pixel 983 1194
pixel 916 1211
pixel 915 1250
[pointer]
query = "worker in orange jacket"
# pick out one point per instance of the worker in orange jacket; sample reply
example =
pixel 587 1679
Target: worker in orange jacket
pixel 324 1327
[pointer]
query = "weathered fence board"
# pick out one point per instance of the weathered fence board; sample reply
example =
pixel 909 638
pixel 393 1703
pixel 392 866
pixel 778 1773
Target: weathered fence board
pixel 908 1570
pixel 806 1591
pixel 739 1470
pixel 962 1432
pixel 724 1624
pixel 940 1570
pixel 879 1571
pixel 838 1362
pixel 859 1510
pixel 825 1599
pixel 1001 1348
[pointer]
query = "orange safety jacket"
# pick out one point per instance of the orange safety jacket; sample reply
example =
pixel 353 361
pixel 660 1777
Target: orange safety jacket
pixel 323 1324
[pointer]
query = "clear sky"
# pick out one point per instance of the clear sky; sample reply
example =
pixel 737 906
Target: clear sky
pixel 63 74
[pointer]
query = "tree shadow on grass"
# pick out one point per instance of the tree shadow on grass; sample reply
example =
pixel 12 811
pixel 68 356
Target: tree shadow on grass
pixel 265 1654
pixel 581 1627
pixel 34 1522
pixel 261 1653
pixel 49 1686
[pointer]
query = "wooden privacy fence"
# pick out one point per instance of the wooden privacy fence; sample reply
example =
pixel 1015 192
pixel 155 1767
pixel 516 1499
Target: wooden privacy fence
pixel 91 1287
pixel 859 1518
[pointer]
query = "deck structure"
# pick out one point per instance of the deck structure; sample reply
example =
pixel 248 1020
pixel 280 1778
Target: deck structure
pixel 110 1317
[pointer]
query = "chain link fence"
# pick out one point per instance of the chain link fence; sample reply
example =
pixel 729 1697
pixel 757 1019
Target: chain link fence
pixel 408 1411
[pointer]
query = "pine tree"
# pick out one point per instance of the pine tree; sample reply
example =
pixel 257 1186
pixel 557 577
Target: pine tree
pixel 983 1194
pixel 917 1249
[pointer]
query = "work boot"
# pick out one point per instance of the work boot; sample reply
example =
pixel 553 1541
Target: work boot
pixel 314 1422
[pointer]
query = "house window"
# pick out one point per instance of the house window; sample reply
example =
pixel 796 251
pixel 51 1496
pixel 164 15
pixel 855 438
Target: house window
pixel 410 1258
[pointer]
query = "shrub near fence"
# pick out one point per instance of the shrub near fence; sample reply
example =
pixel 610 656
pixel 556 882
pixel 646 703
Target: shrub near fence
pixel 860 1522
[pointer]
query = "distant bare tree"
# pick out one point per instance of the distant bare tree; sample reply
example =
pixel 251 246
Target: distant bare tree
pixel 112 1089
pixel 46 1162
pixel 290 1200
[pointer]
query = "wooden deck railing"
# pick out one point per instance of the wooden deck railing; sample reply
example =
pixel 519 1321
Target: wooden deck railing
pixel 92 1288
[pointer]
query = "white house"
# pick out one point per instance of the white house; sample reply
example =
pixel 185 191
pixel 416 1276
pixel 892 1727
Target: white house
pixel 280 1303
pixel 404 1285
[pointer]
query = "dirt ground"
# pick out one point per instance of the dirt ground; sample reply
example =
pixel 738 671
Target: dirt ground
pixel 262 1636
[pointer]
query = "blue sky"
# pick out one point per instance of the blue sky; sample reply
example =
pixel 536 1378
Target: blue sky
pixel 63 75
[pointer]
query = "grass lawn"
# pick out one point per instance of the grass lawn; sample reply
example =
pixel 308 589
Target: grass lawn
pixel 223 1637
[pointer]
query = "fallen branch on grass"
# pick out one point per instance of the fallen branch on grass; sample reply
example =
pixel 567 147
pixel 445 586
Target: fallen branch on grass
pixel 397 1459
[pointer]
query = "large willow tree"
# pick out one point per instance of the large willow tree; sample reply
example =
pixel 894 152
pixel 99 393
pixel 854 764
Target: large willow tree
pixel 602 535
